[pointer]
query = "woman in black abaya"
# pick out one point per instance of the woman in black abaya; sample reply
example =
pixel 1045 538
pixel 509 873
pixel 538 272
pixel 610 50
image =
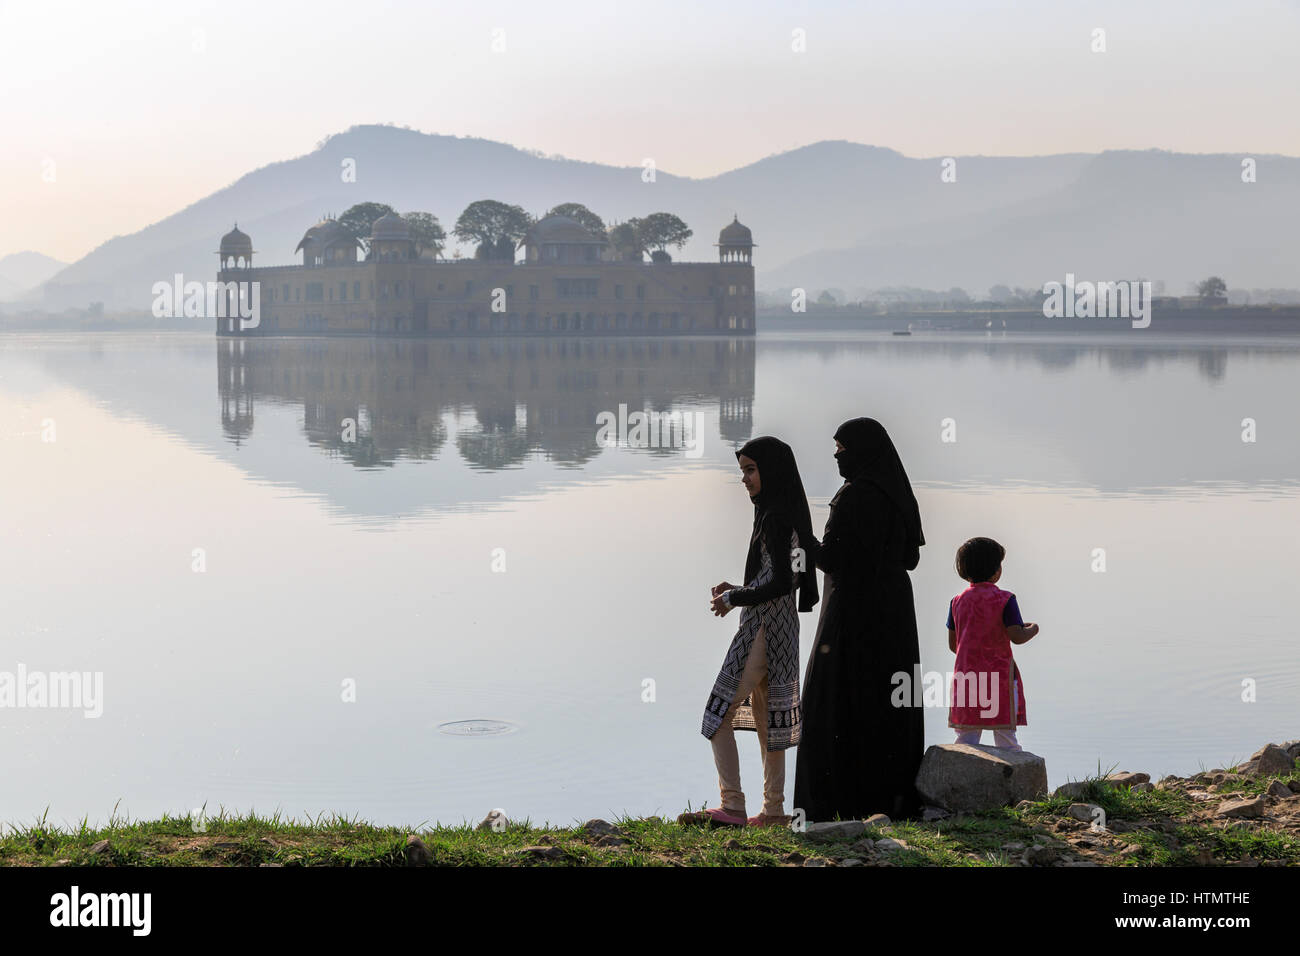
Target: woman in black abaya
pixel 859 753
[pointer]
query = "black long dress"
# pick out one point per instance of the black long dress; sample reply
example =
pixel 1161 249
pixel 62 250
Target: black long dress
pixel 859 753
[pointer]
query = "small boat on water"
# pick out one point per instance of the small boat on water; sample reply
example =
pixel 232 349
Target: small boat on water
pixel 902 331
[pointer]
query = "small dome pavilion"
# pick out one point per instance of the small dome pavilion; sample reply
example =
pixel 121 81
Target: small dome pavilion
pixel 327 243
pixel 236 250
pixel 735 243
pixel 390 239
pixel 559 239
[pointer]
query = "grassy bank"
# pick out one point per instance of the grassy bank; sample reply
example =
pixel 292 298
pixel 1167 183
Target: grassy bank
pixel 1178 822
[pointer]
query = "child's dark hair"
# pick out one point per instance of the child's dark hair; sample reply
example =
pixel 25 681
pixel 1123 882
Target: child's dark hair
pixel 979 559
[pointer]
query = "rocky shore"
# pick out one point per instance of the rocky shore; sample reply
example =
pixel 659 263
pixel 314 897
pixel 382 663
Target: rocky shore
pixel 1247 815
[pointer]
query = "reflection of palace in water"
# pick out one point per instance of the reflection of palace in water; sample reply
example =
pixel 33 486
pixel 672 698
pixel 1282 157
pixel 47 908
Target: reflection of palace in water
pixel 526 395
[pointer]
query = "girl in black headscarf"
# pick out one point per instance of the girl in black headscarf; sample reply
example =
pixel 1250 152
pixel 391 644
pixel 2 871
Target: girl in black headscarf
pixel 859 753
pixel 757 687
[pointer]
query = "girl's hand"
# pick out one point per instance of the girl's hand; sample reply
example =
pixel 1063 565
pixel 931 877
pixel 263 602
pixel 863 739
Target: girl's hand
pixel 1030 630
pixel 720 607
pixel 719 588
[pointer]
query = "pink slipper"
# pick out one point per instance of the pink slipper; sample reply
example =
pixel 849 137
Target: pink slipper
pixel 764 820
pixel 717 817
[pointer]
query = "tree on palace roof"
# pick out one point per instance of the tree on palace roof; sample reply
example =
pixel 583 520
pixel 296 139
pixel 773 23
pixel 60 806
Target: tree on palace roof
pixel 582 216
pixel 492 226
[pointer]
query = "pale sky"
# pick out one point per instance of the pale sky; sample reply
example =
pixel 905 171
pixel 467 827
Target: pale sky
pixel 140 108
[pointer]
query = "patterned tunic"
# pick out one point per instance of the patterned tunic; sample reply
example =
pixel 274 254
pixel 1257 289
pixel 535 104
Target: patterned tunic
pixel 780 620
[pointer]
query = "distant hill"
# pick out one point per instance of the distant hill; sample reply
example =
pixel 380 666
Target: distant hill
pixel 22 272
pixel 1150 214
pixel 831 214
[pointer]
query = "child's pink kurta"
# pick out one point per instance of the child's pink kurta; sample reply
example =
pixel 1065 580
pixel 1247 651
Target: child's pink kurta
pixel 984 650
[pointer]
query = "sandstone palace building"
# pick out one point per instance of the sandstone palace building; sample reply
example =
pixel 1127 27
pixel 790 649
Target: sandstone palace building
pixel 569 281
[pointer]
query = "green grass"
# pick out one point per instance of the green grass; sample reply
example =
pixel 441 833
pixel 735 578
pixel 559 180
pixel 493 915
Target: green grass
pixel 1157 827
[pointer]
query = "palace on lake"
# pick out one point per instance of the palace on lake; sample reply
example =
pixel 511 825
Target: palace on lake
pixel 569 281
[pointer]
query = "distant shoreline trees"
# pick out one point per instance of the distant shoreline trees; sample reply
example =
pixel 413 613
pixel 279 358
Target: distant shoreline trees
pixel 1212 290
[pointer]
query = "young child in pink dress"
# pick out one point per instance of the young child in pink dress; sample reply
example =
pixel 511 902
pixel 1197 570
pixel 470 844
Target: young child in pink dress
pixel 983 622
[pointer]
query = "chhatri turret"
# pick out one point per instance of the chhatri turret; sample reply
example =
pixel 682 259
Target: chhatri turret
pixel 735 243
pixel 390 240
pixel 236 250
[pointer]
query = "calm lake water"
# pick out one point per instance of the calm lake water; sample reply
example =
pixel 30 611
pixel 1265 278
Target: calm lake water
pixel 477 555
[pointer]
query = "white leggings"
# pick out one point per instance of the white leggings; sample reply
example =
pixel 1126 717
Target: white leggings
pixel 1001 738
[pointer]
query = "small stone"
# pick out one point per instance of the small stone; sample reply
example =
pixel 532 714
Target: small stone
pixel 889 845
pixel 815 861
pixel 496 820
pixel 271 864
pixel 1269 759
pixel 1130 849
pixel 865 846
pixel 1280 790
pixel 931 814
pixel 1038 855
pixel 794 857
pixel 732 844
pixel 1086 812
pixel 1248 807
pixel 417 852
pixel 101 847
pixel 1144 787
pixel 599 827
pixel 851 861
pixel 1024 805
pixel 839 829
pixel 1013 847
pixel 878 820
pixel 609 840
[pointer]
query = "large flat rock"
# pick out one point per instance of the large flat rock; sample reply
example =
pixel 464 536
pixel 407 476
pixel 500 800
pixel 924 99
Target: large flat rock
pixel 975 777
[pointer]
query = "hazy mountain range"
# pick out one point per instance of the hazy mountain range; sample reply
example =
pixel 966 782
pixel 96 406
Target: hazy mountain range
pixel 833 214
pixel 23 272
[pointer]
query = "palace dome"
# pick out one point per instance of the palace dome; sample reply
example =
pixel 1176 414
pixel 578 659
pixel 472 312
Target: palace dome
pixel 323 234
pixel 390 226
pixel 735 234
pixel 550 229
pixel 236 243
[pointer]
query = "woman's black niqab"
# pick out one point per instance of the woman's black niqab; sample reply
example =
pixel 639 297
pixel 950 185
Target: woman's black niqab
pixel 781 495
pixel 869 455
